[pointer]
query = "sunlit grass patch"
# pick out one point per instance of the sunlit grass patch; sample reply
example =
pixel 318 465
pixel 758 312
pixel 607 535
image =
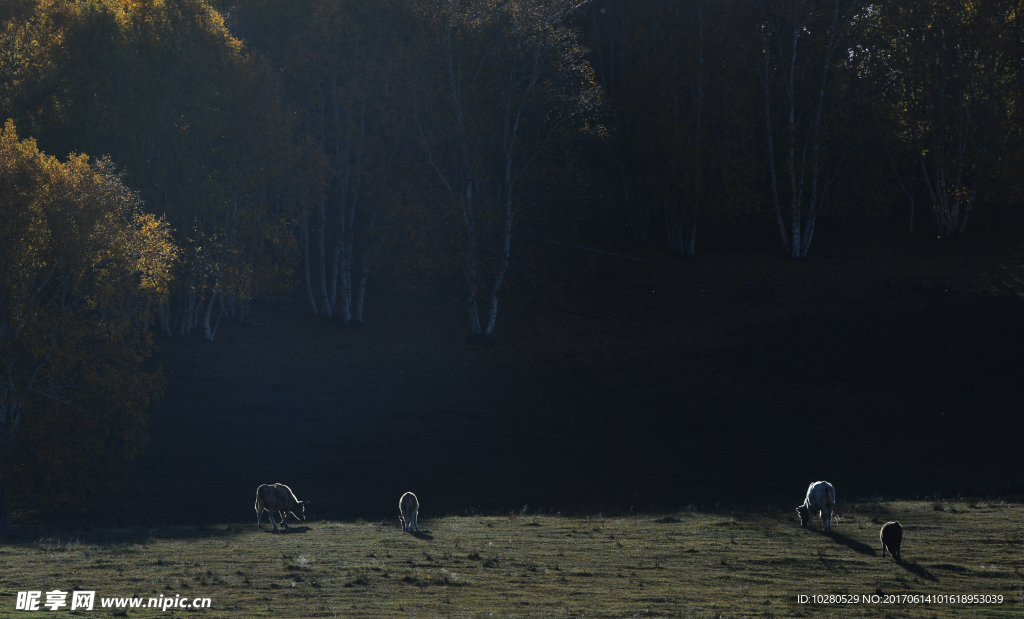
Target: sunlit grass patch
pixel 690 564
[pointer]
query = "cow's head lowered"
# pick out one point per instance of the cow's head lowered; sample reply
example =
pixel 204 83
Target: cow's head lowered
pixel 299 510
pixel 805 515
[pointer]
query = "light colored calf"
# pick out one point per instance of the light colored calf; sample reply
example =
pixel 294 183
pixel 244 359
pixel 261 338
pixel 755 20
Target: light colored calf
pixel 278 499
pixel 821 499
pixel 892 538
pixel 409 505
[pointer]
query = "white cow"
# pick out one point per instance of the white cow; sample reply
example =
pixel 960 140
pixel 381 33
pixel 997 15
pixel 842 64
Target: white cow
pixel 821 499
pixel 409 505
pixel 278 499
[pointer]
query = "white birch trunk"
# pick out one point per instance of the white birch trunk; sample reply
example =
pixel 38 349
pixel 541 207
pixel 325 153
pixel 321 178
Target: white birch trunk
pixel 305 257
pixel 344 176
pixel 471 258
pixel 766 86
pixel 326 299
pixel 187 316
pixel 207 331
pixel 361 295
pixel 805 194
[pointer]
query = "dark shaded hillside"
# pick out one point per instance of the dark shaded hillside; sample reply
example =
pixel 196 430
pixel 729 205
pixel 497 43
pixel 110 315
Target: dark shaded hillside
pixel 732 381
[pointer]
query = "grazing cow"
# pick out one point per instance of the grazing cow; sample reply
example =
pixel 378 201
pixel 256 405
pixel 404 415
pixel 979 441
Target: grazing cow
pixel 821 499
pixel 892 537
pixel 278 499
pixel 409 505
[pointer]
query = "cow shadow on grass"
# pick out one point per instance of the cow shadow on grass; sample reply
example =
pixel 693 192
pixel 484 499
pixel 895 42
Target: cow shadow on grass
pixel 292 529
pixel 850 543
pixel 916 569
pixel 422 535
pixel 128 535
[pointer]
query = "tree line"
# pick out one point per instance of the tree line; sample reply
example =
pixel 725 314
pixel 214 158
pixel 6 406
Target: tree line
pixel 272 147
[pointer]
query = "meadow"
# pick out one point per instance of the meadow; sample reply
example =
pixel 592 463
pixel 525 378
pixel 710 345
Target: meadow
pixel 712 391
pixel 698 564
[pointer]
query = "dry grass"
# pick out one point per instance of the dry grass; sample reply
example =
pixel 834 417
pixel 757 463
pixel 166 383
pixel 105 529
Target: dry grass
pixel 704 565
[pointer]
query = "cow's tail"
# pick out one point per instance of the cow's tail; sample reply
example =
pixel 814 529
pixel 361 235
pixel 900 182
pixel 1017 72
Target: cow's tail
pixel 832 500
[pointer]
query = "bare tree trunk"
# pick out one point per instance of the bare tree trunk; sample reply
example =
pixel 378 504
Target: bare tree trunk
pixel 164 327
pixel 305 256
pixel 341 267
pixel 207 331
pixel 805 197
pixel 146 315
pixel 506 250
pixel 326 300
pixel 186 319
pixel 471 258
pixel 766 82
pixel 364 272
pixel 691 236
pixel 907 188
pixel 344 176
pixel 347 244
pixel 6 509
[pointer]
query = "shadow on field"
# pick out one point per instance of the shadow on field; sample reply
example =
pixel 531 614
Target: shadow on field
pixel 852 544
pixel 292 530
pixel 917 570
pixel 422 535
pixel 191 532
pixel 584 417
pixel 944 344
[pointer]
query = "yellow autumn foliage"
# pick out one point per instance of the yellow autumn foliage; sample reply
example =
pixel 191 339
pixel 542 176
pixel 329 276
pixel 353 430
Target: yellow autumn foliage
pixel 81 269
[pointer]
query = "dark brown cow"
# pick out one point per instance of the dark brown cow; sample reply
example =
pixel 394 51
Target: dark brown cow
pixel 278 499
pixel 892 537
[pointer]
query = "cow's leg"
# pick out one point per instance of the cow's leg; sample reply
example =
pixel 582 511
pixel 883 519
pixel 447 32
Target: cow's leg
pixel 416 519
pixel 810 518
pixel 259 521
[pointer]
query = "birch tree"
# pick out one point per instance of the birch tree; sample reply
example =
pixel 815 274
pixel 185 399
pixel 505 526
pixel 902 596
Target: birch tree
pixel 504 78
pixel 677 72
pixel 345 63
pixel 948 64
pixel 665 92
pixel 802 43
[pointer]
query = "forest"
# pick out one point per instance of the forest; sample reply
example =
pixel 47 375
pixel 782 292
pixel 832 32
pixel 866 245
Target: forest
pixel 167 163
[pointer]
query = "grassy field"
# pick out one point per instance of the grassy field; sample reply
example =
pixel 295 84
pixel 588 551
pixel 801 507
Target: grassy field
pixel 543 565
pixel 890 366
